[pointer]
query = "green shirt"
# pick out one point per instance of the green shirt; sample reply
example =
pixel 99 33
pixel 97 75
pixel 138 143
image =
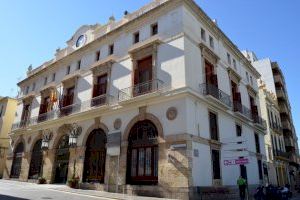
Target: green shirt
pixel 241 182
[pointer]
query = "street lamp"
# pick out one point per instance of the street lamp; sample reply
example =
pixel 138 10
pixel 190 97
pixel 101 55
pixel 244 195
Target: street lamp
pixel 75 133
pixel 47 136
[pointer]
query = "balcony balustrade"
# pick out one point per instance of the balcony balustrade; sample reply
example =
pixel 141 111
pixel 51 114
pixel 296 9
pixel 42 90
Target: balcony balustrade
pixel 141 89
pixel 238 107
pixel 65 111
pixel 282 154
pixel 258 120
pixel 214 91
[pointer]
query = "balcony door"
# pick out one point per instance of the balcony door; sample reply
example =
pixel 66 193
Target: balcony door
pixel 44 108
pixel 236 96
pixel 254 110
pixel 210 76
pixel 25 115
pixel 67 101
pixel 143 76
pixel 99 91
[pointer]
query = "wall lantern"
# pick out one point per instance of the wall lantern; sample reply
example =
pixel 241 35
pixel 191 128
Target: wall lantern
pixel 47 136
pixel 75 133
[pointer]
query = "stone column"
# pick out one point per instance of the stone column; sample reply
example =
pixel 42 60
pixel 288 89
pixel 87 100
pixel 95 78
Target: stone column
pixel 76 161
pixel 25 166
pixel 7 166
pixel 123 164
pixel 48 164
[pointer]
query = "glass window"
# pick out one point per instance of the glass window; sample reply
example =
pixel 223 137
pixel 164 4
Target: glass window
pixel 257 145
pixel 154 29
pixel 98 55
pixel 203 34
pixel 136 37
pixel 228 59
pixel 68 70
pixel 111 49
pixel 213 123
pixel 211 42
pixel 238 130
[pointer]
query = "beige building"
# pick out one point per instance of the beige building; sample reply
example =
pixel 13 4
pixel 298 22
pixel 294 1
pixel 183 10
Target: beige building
pixel 8 108
pixel 277 167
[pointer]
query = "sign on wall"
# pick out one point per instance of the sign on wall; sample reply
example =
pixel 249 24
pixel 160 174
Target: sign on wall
pixel 114 143
pixel 240 161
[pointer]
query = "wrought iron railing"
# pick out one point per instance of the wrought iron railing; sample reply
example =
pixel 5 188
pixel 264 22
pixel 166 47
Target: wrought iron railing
pixel 239 107
pixel 258 120
pixel 65 111
pixel 141 89
pixel 282 154
pixel 214 91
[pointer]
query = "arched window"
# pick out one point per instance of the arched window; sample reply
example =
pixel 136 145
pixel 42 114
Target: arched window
pixel 62 160
pixel 17 161
pixel 36 162
pixel 95 155
pixel 142 156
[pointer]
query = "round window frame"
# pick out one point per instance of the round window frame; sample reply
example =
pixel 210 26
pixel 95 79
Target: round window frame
pixel 82 43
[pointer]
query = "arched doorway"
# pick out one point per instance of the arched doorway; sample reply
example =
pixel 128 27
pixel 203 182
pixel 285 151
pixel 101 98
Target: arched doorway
pixel 36 162
pixel 142 154
pixel 95 155
pixel 62 160
pixel 17 161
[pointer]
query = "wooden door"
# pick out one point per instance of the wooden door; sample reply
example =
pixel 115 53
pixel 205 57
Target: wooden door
pixel 143 76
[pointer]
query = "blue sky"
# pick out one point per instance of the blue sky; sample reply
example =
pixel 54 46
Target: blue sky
pixel 32 30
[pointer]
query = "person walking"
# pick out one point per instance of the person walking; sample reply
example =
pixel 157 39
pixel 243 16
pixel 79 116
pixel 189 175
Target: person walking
pixel 242 184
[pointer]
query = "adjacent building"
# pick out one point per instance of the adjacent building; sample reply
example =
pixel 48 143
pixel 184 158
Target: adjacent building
pixel 278 113
pixel 161 100
pixel 8 108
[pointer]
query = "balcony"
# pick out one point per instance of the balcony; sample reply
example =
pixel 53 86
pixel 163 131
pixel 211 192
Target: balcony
pixel 282 154
pixel 281 94
pixel 150 87
pixel 284 110
pixel 258 120
pixel 93 103
pixel 278 79
pixel 276 127
pixel 286 125
pixel 214 93
pixel 242 110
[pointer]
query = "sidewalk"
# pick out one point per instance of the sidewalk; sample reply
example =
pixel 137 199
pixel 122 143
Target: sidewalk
pixel 94 193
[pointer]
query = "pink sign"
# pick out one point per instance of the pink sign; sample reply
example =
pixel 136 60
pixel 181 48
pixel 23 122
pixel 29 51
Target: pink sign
pixel 240 161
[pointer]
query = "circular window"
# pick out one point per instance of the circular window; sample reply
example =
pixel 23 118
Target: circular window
pixel 80 41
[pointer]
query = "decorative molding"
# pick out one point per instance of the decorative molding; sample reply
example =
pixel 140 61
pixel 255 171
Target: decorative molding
pixel 117 124
pixel 76 130
pixel 171 113
pixel 208 54
pixel 233 75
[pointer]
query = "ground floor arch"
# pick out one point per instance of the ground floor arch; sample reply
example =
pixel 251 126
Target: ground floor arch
pixel 95 157
pixel 61 161
pixel 142 154
pixel 17 161
pixel 36 162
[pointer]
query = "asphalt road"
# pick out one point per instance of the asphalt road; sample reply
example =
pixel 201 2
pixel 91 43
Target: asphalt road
pixel 12 190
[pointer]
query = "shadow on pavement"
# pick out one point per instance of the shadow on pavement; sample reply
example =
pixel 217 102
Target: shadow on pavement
pixel 4 197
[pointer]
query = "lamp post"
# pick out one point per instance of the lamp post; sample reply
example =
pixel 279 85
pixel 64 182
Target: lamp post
pixel 73 137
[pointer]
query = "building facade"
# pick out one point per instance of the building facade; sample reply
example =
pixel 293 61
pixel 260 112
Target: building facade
pixel 152 102
pixel 8 108
pixel 274 82
pixel 277 157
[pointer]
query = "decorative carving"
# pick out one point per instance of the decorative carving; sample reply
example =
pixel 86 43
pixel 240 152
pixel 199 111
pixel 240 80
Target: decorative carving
pixel 172 113
pixel 47 135
pixel 118 124
pixel 76 130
